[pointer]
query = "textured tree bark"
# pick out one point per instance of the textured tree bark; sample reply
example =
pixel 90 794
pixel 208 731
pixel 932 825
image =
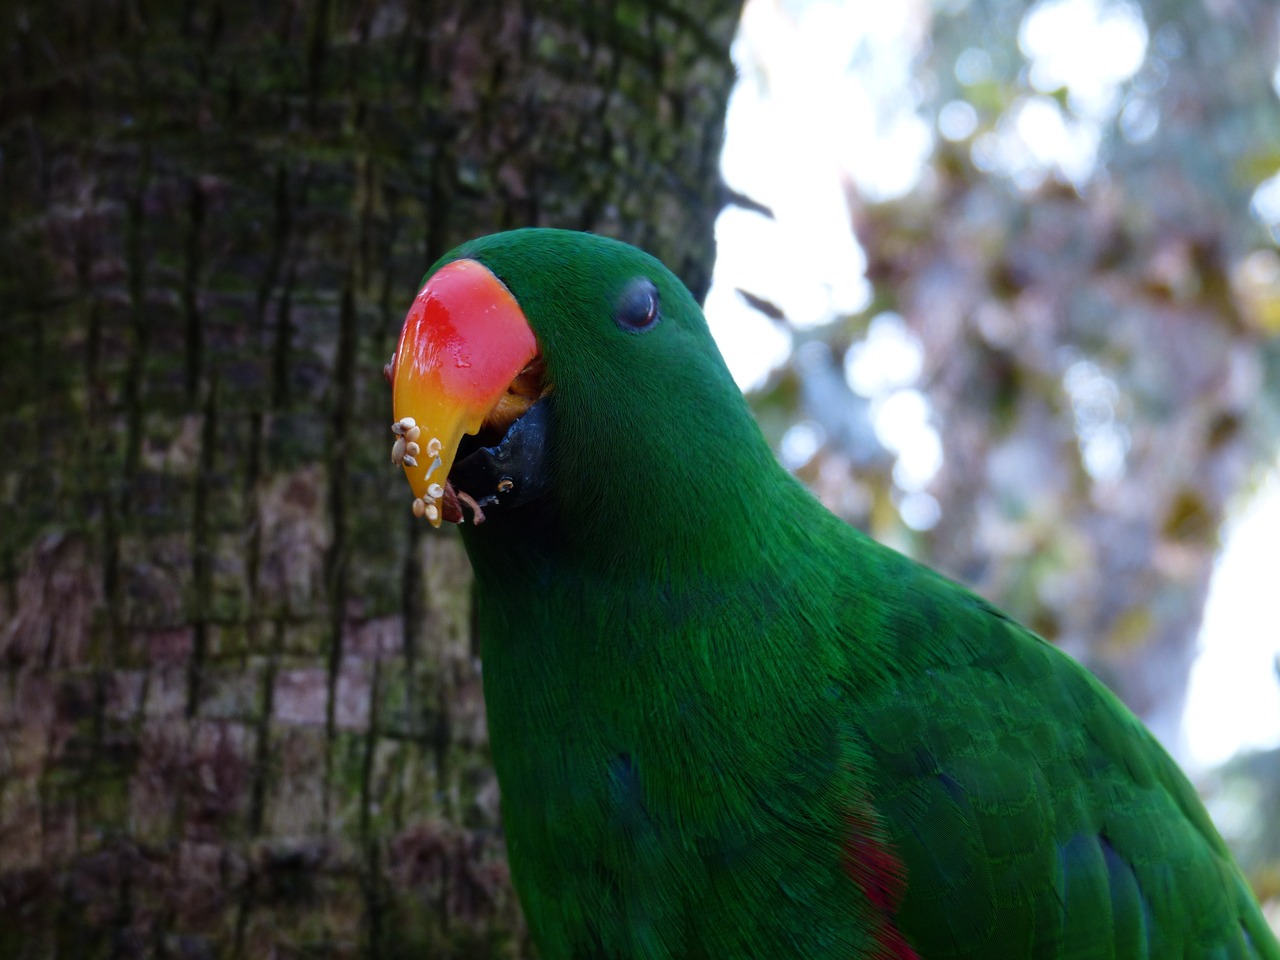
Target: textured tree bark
pixel 240 713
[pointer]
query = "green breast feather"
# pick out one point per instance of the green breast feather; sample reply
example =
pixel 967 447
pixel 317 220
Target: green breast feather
pixel 727 725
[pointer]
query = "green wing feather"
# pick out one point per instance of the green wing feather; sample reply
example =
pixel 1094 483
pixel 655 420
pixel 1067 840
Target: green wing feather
pixel 1035 816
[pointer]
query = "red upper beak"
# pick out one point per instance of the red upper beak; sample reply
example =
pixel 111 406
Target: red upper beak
pixel 463 342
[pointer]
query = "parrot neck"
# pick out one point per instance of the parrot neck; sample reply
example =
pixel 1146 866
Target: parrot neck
pixel 720 514
pixel 609 562
pixel 649 534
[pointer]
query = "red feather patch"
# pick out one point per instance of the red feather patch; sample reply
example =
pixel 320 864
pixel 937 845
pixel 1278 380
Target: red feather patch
pixel 882 878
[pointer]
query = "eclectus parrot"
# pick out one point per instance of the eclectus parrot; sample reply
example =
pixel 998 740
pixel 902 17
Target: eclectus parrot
pixel 725 723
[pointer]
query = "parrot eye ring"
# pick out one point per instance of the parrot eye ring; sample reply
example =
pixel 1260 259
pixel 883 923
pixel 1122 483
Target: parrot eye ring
pixel 637 308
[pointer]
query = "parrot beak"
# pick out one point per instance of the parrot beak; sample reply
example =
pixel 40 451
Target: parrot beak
pixel 463 363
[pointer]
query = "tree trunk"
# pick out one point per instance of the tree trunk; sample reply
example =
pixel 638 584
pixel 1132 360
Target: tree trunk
pixel 240 713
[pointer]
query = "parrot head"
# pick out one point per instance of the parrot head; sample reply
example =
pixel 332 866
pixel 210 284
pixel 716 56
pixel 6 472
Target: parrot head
pixel 564 371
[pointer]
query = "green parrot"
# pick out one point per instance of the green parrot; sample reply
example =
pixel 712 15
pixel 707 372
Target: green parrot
pixel 728 725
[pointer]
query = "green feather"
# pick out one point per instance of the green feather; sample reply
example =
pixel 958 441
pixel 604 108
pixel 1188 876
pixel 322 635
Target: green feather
pixel 727 725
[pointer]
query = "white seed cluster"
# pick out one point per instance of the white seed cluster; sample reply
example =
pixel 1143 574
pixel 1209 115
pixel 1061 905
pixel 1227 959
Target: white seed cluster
pixel 421 508
pixel 404 452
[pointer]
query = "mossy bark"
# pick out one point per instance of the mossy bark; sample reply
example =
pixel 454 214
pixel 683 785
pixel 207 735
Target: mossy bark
pixel 240 713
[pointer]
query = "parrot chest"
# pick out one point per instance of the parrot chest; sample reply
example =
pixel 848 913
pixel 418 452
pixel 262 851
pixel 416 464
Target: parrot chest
pixel 686 823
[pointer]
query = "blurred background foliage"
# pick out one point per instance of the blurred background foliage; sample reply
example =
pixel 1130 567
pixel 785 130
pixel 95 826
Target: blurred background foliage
pixel 1047 357
pixel 1031 338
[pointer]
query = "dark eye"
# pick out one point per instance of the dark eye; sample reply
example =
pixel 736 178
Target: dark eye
pixel 637 305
